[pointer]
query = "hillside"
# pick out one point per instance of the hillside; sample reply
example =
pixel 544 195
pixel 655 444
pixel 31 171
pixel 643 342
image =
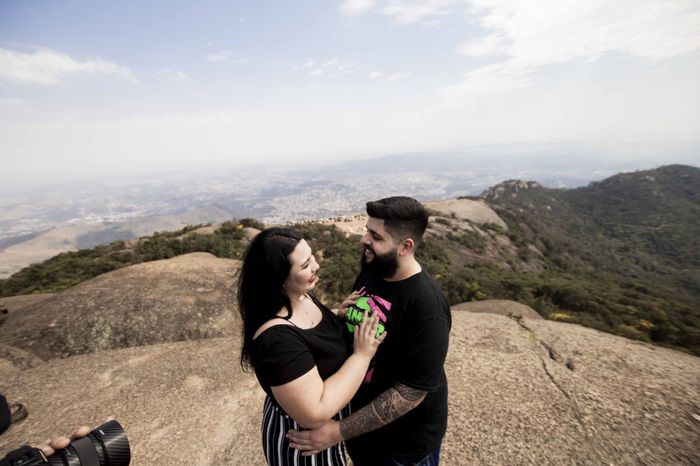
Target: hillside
pixel 18 253
pixel 522 391
pixel 620 255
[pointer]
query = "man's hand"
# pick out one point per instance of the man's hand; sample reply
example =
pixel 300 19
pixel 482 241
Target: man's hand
pixel 49 447
pixel 315 441
pixel 59 443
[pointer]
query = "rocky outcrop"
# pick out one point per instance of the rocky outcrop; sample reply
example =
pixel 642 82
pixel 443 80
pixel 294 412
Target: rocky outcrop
pixel 477 212
pixel 522 391
pixel 188 297
pixel 16 303
pixel 502 307
pixel 471 232
pixel 180 403
pixel 541 392
pixel 509 188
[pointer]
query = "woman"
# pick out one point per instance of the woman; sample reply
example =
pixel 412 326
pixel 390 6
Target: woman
pixel 299 349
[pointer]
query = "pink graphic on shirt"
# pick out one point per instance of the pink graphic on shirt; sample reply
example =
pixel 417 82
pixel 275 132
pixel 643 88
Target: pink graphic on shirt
pixel 378 306
pixel 382 301
pixel 374 303
pixel 376 310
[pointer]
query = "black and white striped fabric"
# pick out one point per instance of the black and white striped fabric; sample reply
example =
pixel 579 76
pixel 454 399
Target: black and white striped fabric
pixel 275 425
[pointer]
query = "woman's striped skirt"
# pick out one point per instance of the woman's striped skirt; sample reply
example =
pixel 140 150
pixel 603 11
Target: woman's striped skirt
pixel 275 425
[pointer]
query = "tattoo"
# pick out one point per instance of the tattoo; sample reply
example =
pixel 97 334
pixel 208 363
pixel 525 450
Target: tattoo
pixel 410 394
pixel 386 408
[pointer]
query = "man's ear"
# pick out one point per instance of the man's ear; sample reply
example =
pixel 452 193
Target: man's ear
pixel 407 247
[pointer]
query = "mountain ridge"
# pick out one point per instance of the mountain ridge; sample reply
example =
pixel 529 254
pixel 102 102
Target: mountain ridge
pixel 540 246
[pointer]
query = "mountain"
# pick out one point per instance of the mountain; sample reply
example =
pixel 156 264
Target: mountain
pixel 654 211
pixel 622 254
pixel 156 345
pixel 619 255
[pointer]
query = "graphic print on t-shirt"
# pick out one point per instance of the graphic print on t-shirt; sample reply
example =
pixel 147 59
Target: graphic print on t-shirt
pixel 381 307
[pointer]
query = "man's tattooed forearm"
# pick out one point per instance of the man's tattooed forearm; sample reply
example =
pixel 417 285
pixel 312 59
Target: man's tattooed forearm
pixel 390 405
pixel 410 394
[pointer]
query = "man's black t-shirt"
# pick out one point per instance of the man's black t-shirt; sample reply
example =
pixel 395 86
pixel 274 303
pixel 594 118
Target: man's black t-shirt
pixel 417 317
pixel 283 353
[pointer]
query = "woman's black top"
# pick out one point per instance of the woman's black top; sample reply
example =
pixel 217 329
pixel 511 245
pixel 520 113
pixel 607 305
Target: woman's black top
pixel 283 353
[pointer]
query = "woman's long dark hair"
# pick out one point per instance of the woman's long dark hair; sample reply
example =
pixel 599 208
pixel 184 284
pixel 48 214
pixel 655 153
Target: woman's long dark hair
pixel 265 268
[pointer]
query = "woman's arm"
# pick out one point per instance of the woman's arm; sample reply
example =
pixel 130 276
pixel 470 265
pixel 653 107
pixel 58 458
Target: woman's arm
pixel 311 401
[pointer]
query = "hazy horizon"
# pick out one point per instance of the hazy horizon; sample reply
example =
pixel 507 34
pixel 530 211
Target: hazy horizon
pixel 584 161
pixel 91 90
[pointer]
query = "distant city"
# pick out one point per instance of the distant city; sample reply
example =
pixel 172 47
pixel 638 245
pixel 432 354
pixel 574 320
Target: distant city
pixel 282 196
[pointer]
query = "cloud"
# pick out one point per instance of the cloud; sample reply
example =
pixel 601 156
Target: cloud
pixel 331 68
pixel 388 77
pixel 428 13
pixel 527 36
pixel 398 76
pixel 492 79
pixel 355 7
pixel 492 44
pixel 220 56
pixel 225 56
pixel 175 76
pixel 46 66
pixel 544 32
pixel 412 11
pixel 11 102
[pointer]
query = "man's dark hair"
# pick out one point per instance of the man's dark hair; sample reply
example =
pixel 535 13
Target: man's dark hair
pixel 404 217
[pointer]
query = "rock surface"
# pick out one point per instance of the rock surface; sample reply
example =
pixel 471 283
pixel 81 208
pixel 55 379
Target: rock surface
pixel 15 303
pixel 474 211
pixel 515 400
pixel 184 298
pixel 522 391
pixel 180 403
pixel 510 402
pixel 502 307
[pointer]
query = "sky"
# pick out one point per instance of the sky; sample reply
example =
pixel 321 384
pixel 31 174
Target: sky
pixel 97 88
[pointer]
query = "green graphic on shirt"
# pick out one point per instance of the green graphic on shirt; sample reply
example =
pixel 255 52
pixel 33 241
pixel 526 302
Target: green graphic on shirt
pixel 357 312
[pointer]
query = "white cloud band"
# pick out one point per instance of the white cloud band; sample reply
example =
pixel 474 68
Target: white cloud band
pixel 47 67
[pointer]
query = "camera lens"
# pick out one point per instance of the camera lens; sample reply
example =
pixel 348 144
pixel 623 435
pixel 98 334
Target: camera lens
pixel 106 445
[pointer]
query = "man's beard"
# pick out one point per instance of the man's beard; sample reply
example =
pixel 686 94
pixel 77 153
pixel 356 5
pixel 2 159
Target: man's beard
pixel 384 265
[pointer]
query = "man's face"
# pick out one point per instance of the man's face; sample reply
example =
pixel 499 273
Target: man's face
pixel 380 253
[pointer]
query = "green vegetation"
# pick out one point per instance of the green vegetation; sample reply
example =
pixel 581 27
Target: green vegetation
pixel 70 268
pixel 620 256
pixel 469 239
pixel 339 258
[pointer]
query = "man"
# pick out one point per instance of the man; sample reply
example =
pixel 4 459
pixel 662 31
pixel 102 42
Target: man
pixel 400 411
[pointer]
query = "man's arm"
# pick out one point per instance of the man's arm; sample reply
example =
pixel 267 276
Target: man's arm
pixel 384 409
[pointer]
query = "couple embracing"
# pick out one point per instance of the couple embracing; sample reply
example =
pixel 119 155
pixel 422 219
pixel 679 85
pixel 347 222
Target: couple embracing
pixel 377 388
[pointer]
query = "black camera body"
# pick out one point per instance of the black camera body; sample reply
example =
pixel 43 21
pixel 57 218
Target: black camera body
pixel 106 445
pixel 24 456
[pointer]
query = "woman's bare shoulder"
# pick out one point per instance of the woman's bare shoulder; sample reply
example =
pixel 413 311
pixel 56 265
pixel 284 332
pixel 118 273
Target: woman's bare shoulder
pixel 271 323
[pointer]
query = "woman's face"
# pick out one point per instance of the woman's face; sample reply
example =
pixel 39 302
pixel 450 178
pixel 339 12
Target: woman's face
pixel 302 276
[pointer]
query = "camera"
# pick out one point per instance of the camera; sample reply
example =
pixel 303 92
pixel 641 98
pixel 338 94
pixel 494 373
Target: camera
pixel 106 445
